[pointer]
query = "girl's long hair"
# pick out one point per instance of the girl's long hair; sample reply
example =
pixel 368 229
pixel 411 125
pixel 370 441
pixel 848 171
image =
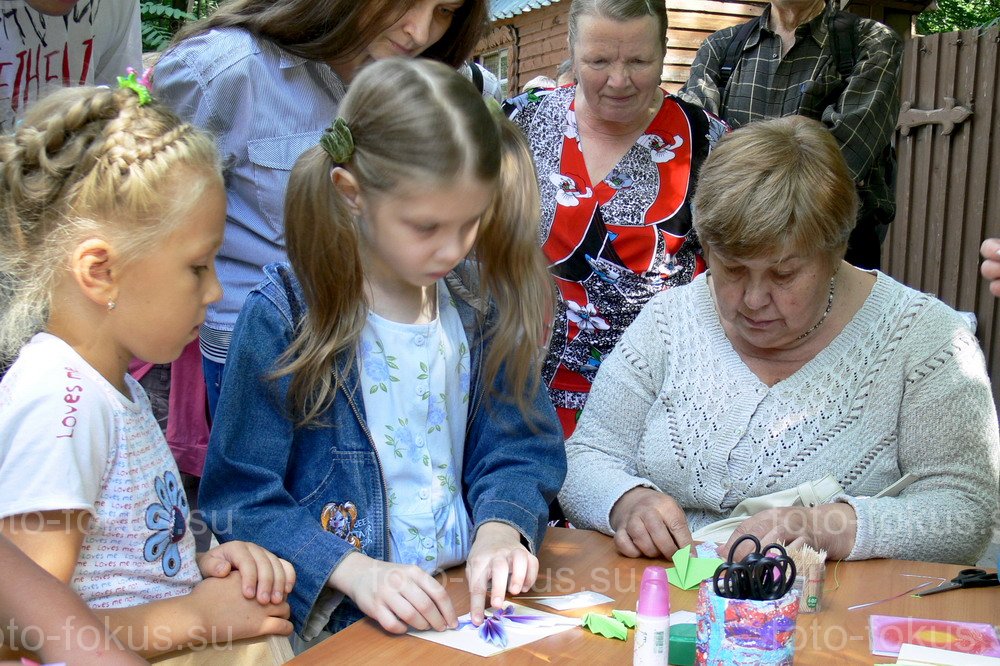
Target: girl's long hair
pixel 440 132
pixel 339 30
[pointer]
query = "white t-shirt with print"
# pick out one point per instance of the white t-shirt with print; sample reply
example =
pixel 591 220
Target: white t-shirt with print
pixel 92 45
pixel 70 440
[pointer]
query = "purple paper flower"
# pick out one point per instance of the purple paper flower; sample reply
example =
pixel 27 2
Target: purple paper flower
pixel 492 629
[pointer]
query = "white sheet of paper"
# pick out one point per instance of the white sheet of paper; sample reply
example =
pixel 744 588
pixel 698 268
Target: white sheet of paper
pixel 683 617
pixel 467 638
pixel 581 599
pixel 927 655
pixel 708 549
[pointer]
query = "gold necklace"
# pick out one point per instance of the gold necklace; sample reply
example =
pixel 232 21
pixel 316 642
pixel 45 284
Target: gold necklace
pixel 829 306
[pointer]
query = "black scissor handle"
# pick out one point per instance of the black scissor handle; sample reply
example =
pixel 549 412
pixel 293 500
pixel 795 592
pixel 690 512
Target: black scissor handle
pixel 756 550
pixel 774 546
pixel 732 580
pixel 975 578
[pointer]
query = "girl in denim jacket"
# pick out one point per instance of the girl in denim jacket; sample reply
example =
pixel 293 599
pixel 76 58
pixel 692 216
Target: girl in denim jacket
pixel 111 212
pixel 265 77
pixel 381 417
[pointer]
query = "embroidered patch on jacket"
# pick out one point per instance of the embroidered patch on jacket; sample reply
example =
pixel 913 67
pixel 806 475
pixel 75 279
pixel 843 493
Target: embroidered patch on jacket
pixel 339 519
pixel 168 519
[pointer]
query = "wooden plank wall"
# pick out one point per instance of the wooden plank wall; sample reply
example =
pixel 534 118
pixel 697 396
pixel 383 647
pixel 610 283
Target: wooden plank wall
pixel 948 186
pixel 689 22
pixel 542 35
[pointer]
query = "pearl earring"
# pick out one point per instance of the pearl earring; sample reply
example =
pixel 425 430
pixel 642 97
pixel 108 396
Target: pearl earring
pixel 111 305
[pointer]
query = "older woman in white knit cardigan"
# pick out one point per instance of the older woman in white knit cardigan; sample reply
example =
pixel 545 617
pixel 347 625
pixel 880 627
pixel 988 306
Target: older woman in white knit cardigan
pixel 784 364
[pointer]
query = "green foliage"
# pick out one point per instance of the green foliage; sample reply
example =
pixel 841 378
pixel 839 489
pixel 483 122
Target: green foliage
pixel 959 15
pixel 160 20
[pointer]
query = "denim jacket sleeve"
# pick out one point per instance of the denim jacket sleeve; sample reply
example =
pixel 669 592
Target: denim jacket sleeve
pixel 252 448
pixel 515 463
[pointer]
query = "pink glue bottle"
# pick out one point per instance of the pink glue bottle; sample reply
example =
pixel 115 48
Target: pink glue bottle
pixel 652 629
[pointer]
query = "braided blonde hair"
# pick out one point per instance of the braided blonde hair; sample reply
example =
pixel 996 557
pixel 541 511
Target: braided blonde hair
pixel 87 162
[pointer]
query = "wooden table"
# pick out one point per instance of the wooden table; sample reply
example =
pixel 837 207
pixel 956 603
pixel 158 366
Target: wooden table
pixel 573 560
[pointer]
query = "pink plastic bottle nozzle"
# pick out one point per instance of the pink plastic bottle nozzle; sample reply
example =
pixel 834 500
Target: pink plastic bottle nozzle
pixel 654 593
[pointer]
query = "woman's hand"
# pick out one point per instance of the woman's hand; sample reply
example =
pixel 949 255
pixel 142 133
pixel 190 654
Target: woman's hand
pixel 829 527
pixel 397 596
pixel 649 523
pixel 264 575
pixel 497 556
pixel 990 269
pixel 226 614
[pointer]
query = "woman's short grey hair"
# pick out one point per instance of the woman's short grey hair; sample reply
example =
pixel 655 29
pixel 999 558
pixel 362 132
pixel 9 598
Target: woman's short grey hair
pixel 617 10
pixel 776 184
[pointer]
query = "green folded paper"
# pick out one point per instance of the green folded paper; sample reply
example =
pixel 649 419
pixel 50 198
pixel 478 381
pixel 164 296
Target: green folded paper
pixel 689 571
pixel 604 626
pixel 625 617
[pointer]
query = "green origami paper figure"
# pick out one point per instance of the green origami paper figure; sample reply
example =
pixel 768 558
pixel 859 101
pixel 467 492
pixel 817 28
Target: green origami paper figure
pixel 604 626
pixel 689 571
pixel 625 617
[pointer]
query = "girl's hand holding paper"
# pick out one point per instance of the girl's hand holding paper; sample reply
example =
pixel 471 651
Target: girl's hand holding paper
pixel 498 556
pixel 397 596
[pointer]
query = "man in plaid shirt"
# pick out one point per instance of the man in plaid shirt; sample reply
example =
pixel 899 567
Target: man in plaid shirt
pixel 788 66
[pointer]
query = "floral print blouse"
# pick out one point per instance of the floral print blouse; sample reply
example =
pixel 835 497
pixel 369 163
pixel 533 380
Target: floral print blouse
pixel 415 379
pixel 613 244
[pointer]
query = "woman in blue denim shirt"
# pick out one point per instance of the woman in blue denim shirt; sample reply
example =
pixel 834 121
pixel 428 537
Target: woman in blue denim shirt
pixel 265 77
pixel 381 418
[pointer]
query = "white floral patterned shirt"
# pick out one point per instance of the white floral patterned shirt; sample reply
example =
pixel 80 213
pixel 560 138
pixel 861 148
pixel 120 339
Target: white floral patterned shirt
pixel 415 379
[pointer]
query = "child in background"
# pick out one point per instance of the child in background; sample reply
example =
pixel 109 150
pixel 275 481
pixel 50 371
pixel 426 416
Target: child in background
pixel 386 421
pixel 112 212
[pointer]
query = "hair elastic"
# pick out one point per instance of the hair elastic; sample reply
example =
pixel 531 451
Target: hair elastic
pixel 337 141
pixel 140 86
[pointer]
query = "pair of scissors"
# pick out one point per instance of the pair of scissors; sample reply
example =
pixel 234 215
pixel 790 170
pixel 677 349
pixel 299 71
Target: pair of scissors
pixel 965 578
pixel 759 576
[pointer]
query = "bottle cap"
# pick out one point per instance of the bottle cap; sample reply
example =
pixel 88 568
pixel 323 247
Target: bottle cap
pixel 654 593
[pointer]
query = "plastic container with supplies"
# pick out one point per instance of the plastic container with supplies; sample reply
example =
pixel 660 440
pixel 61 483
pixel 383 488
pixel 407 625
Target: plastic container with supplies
pixel 745 631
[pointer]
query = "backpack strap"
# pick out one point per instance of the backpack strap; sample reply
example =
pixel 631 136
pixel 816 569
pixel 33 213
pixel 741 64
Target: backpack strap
pixel 843 28
pixel 734 51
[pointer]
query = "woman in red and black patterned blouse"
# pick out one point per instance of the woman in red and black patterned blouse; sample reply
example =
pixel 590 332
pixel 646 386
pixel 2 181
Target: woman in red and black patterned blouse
pixel 617 160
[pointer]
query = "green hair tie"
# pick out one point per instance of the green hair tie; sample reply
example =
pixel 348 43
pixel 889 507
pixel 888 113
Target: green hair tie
pixel 136 85
pixel 337 141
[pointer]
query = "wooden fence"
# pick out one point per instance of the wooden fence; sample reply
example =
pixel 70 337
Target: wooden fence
pixel 948 182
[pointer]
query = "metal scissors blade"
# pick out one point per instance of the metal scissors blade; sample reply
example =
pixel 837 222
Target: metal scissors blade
pixel 965 578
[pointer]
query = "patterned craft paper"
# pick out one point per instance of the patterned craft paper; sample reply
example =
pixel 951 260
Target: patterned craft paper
pixel 889 633
pixel 515 632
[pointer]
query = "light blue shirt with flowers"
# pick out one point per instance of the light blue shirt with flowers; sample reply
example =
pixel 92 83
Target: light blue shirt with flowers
pixel 415 379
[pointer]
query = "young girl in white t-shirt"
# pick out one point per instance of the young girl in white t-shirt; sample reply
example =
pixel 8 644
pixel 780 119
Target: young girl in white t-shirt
pixel 111 212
